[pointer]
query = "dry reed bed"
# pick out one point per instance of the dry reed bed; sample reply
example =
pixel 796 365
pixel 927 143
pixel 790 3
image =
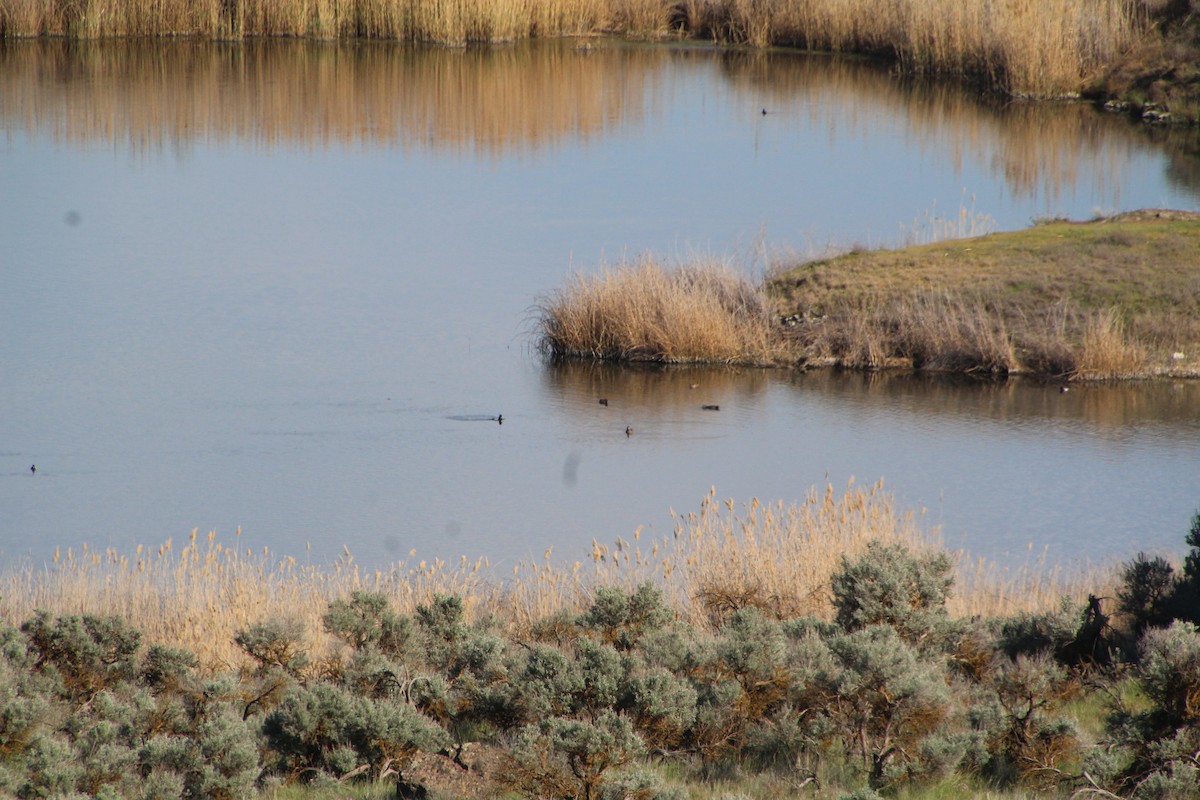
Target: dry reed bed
pixel 1042 48
pixel 775 556
pixel 973 333
pixel 646 312
pixel 444 21
pixel 1029 47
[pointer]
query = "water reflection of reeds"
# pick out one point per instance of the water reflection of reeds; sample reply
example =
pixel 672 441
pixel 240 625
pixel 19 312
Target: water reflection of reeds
pixel 579 384
pixel 1108 409
pixel 529 97
pixel 1114 408
pixel 1037 148
pixel 493 101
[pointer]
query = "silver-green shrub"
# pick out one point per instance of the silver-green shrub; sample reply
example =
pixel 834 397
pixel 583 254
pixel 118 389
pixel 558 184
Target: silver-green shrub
pixel 314 728
pixel 889 585
pixel 567 758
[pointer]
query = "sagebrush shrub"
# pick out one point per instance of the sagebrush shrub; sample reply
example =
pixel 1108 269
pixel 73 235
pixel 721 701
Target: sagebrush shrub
pixel 623 619
pixel 88 654
pixel 568 758
pixel 639 784
pixel 889 585
pixel 367 619
pixel 1031 740
pixel 883 698
pixel 167 669
pixel 548 683
pixel 314 729
pixel 1159 743
pixel 277 645
pixel 753 650
pixel 1030 634
pixel 1146 594
pixel 1170 675
pixel 661 705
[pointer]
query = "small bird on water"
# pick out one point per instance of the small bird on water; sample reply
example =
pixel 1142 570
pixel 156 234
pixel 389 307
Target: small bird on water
pixel 628 430
pixel 500 418
pixel 604 401
pixel 33 469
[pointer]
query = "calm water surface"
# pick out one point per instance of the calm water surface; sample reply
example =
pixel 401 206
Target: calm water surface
pixel 284 286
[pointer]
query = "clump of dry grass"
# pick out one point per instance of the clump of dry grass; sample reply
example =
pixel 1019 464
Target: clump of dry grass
pixel 952 334
pixel 932 227
pixel 968 333
pixel 773 556
pixel 644 312
pixel 936 331
pixel 1106 351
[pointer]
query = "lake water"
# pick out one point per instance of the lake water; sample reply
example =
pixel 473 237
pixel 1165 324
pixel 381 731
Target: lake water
pixel 284 286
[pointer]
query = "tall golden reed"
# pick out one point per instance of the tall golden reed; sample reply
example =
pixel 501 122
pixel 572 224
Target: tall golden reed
pixel 199 596
pixel 774 556
pixel 1026 47
pixel 1106 351
pixel 444 21
pixel 781 558
pixel 645 312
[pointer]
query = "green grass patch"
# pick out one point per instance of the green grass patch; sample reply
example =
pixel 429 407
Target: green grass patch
pixel 1035 299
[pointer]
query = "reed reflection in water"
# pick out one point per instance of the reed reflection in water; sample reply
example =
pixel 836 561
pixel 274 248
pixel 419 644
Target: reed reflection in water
pixel 532 96
pixel 496 101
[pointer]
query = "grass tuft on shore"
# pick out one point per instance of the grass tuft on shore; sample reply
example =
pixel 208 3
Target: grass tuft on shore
pixel 645 312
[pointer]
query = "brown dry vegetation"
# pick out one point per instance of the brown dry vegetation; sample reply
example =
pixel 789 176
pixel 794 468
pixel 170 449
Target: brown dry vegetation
pixel 446 21
pixel 1044 48
pixel 1107 299
pixel 774 556
pixel 645 312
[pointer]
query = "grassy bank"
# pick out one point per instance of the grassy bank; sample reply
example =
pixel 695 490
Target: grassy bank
pixel 1113 298
pixel 1046 48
